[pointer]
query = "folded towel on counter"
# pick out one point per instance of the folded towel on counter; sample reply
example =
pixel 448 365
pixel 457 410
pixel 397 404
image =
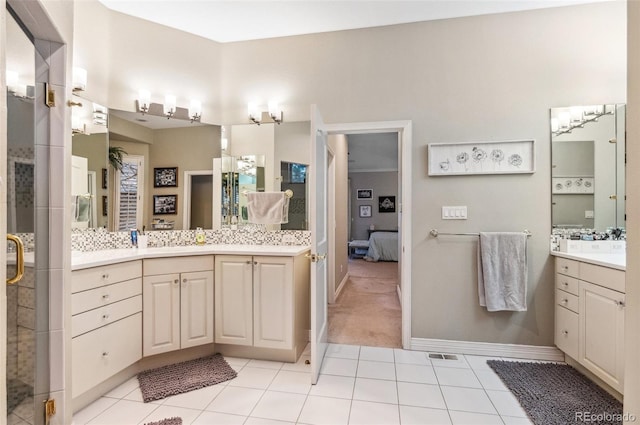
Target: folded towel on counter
pixel 502 271
pixel 268 207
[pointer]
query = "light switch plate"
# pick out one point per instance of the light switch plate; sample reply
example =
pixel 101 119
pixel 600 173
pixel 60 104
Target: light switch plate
pixel 454 213
pixel 588 214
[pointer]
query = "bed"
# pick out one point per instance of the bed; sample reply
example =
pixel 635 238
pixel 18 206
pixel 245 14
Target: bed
pixel 383 246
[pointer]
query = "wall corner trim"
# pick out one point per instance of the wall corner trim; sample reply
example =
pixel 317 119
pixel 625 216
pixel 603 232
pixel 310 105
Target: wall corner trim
pixel 342 284
pixel 532 352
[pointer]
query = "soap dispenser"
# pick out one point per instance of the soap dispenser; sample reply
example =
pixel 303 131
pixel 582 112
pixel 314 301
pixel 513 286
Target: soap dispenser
pixel 200 236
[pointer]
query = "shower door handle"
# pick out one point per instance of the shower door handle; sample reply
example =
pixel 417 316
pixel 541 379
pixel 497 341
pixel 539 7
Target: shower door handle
pixel 19 259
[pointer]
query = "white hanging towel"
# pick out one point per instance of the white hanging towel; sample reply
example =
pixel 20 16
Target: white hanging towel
pixel 267 207
pixel 502 271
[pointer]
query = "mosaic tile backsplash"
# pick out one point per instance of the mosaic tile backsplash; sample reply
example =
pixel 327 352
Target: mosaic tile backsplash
pixel 98 239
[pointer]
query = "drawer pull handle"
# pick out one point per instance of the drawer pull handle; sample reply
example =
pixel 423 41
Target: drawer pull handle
pixel 105 276
pixel 105 317
pixel 105 297
pixel 565 332
pixel 105 354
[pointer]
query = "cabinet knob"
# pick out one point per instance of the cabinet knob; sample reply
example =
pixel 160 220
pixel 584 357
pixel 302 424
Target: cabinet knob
pixel 255 263
pixel 565 332
pixel 248 261
pixel 565 268
pixel 565 301
pixel 105 354
pixel 184 280
pixel 105 316
pixel 105 297
pixel 565 284
pixel 620 303
pixel 176 281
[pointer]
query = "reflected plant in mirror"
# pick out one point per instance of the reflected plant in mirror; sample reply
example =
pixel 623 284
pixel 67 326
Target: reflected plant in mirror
pixel 588 166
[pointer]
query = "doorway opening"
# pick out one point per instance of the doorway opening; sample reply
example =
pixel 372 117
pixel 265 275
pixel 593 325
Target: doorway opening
pixel 359 203
pixel 198 199
pixel 365 308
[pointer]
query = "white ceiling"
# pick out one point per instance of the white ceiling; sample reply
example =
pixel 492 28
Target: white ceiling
pixel 227 21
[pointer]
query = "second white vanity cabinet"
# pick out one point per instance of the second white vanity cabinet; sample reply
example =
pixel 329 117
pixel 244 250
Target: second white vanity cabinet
pixel 589 325
pixel 261 302
pixel 177 303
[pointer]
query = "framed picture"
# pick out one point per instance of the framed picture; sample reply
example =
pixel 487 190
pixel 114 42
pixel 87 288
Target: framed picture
pixel 386 204
pixel 165 177
pixel 104 178
pixel 365 210
pixel 105 206
pixel 165 204
pixel 365 193
pixel 506 157
pixel 572 185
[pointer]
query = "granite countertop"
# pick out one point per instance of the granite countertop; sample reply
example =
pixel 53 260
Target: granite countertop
pixel 84 260
pixel 614 261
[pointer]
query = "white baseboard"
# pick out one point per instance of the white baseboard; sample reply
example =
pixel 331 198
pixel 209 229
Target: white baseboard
pixel 399 294
pixel 342 283
pixel 532 352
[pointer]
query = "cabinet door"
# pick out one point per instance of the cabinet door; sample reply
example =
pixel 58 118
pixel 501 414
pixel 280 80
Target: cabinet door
pixel 161 313
pixel 602 333
pixel 234 299
pixel 273 302
pixel 196 308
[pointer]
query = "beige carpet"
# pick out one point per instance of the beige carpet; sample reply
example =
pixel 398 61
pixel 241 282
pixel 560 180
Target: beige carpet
pixel 367 312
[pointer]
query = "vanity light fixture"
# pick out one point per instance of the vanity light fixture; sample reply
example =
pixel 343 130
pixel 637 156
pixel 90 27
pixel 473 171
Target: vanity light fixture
pixel 274 113
pixel 79 79
pixel 255 114
pixel 577 117
pixel 195 110
pixel 169 109
pixel 144 100
pixel 169 105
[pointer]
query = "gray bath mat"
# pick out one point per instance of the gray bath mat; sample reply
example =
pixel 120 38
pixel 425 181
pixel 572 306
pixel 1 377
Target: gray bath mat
pixel 557 394
pixel 169 421
pixel 183 377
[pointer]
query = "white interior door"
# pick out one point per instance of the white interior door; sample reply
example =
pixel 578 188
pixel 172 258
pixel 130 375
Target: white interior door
pixel 319 241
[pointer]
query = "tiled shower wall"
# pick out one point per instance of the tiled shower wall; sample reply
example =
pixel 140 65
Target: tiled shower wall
pixel 98 239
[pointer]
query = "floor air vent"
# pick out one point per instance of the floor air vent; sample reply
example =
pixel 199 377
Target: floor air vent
pixel 443 356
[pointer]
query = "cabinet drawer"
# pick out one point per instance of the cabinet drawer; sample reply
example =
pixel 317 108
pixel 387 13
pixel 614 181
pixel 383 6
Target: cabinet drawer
pixel 566 332
pixel 567 300
pixel 82 280
pixel 568 284
pixel 104 295
pixel 90 320
pixel 567 267
pixel 603 276
pixel 100 354
pixel 199 263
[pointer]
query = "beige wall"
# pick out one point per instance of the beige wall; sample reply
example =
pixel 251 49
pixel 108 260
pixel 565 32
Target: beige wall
pixel 632 311
pixel 383 183
pixel 490 77
pixel 339 145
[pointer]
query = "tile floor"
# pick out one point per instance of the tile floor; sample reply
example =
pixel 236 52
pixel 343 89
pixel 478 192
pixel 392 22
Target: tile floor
pixel 357 385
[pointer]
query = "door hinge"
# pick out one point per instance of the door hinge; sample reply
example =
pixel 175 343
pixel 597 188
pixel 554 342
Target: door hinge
pixel 50 96
pixel 49 409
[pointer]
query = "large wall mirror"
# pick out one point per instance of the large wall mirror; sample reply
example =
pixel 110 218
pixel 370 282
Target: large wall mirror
pixel 143 171
pixel 90 166
pixel 588 167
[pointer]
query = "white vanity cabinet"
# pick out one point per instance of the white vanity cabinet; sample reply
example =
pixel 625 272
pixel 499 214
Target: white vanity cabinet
pixel 178 303
pixel 106 308
pixel 590 317
pixel 262 301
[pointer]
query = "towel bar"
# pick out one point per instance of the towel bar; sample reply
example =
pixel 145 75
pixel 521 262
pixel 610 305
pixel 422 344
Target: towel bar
pixel 288 193
pixel 435 233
